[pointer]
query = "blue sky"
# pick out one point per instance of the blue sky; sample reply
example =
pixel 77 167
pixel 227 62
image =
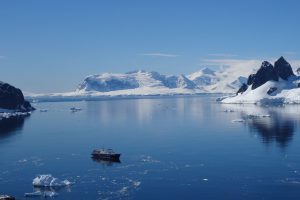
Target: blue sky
pixel 50 46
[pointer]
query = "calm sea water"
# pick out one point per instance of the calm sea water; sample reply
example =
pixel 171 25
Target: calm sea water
pixel 172 148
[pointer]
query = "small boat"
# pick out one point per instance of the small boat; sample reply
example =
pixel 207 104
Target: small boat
pixel 105 154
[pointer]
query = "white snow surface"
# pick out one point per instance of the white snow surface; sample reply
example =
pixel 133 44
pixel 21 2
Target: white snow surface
pixel 287 92
pixel 137 79
pixel 144 83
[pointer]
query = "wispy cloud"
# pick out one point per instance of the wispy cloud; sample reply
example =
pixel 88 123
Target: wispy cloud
pixel 224 55
pixel 232 62
pixel 159 54
pixel 246 65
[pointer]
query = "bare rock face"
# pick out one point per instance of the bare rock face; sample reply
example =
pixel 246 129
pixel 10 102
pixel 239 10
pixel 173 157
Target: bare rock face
pixel 12 98
pixel 298 71
pixel 250 79
pixel 271 90
pixel 283 68
pixel 243 88
pixel 265 73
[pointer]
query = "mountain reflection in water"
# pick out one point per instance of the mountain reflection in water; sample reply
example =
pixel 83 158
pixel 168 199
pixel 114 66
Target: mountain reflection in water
pixel 272 124
pixel 11 125
pixel 278 129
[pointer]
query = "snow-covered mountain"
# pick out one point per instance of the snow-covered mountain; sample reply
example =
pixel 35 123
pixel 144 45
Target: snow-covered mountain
pixel 222 81
pixel 270 84
pixel 204 77
pixel 132 80
pixel 144 83
pixel 204 80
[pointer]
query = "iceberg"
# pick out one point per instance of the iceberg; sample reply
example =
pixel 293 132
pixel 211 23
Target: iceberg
pixel 48 180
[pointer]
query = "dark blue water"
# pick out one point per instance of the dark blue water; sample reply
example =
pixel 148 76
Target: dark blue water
pixel 172 148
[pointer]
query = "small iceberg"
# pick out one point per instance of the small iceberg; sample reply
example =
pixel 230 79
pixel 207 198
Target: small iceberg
pixel 48 180
pixel 7 115
pixel 237 120
pixel 252 116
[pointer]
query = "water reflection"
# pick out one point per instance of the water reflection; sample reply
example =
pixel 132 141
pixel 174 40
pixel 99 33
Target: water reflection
pixel 280 130
pixel 106 162
pixel 272 124
pixel 144 111
pixel 11 125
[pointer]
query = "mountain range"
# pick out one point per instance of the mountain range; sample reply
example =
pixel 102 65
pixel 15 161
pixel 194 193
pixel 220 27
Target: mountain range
pixel 228 80
pixel 203 81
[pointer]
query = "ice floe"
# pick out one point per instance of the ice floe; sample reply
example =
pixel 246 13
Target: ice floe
pixel 47 180
pixel 7 115
pixel 237 120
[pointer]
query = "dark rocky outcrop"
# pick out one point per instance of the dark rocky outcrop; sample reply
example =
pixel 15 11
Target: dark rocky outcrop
pixel 298 71
pixel 250 79
pixel 243 88
pixel 12 98
pixel 271 90
pixel 265 73
pixel 283 68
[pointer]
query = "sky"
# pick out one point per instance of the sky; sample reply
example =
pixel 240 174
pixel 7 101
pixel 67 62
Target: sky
pixel 52 45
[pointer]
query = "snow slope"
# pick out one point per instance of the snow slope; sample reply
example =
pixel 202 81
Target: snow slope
pixel 228 80
pixel 287 92
pixel 270 84
pixel 133 80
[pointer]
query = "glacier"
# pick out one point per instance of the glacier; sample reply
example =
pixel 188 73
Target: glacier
pixel 142 83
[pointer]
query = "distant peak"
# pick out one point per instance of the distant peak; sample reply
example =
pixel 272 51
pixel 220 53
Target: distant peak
pixel 207 70
pixel 266 64
pixel 282 60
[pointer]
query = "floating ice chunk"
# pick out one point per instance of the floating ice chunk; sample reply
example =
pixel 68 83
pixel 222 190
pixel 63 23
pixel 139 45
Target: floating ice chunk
pixel 22 161
pixel 291 181
pixel 237 120
pixel 7 115
pixel 33 194
pixel 205 179
pixel 136 183
pixel 40 193
pixel 123 190
pixel 251 116
pixel 48 180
